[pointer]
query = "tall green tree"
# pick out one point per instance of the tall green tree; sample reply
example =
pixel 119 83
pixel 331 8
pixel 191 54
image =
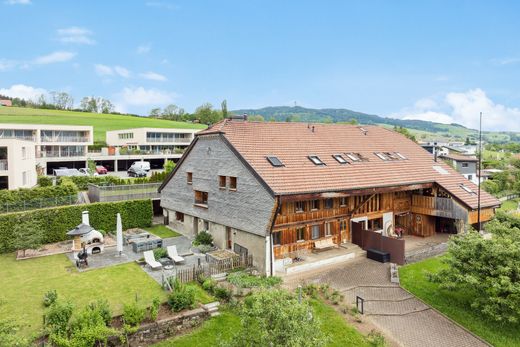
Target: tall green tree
pixel 275 318
pixel 28 235
pixel 224 109
pixel 207 115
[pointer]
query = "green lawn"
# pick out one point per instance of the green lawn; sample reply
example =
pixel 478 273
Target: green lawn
pixel 509 205
pixel 162 231
pixel 455 305
pixel 224 326
pixel 101 122
pixel 23 283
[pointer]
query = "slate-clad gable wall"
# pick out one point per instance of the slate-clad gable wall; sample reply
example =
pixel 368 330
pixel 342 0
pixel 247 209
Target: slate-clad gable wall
pixel 249 208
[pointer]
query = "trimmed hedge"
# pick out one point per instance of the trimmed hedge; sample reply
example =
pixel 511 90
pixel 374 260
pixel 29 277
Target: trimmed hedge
pixel 64 190
pixel 83 181
pixel 57 221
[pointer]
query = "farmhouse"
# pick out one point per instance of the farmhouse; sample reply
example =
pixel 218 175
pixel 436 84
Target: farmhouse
pixel 275 190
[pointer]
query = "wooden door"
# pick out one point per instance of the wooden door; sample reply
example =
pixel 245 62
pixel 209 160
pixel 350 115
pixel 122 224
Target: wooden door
pixel 228 238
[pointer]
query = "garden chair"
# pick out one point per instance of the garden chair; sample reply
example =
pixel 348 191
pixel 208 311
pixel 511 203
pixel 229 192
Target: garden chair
pixel 173 255
pixel 149 258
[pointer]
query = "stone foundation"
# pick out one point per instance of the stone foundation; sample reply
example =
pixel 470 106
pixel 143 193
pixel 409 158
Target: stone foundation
pixel 425 253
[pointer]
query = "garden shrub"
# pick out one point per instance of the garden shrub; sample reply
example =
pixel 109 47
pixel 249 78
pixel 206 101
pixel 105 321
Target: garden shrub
pixel 50 297
pixel 209 285
pixel 58 316
pixel 45 181
pixel 182 297
pixel 9 334
pixel 154 309
pixel 205 248
pixel 57 221
pixel 103 308
pixel 160 253
pixel 15 200
pixel 203 238
pixel 245 280
pixel 222 293
pixel 133 314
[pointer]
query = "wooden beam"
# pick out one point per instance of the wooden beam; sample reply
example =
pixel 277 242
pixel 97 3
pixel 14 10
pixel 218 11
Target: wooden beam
pixel 356 208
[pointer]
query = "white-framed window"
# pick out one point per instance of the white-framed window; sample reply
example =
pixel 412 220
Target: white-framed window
pixel 300 234
pixel 24 178
pixel 315 232
pixel 24 153
pixel 328 229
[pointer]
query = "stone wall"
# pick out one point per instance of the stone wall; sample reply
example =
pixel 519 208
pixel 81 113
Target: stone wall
pixel 163 329
pixel 425 253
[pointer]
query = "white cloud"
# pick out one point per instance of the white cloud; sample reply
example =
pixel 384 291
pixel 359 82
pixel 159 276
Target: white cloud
pixel 17 2
pixel 143 49
pixel 105 70
pixel 121 71
pixel 153 76
pixel 7 64
pixel 464 108
pixel 54 57
pixel 75 35
pixel 505 61
pixel 144 97
pixel 23 91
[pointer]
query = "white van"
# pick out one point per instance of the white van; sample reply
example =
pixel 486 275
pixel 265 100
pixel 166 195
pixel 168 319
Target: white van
pixel 141 165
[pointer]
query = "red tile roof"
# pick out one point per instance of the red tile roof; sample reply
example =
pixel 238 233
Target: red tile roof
pixel 292 143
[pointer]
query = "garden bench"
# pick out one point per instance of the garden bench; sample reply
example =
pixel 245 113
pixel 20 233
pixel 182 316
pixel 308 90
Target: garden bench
pixel 324 244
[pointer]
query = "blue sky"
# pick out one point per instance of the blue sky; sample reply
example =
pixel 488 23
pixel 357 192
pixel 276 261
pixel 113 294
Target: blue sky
pixel 443 61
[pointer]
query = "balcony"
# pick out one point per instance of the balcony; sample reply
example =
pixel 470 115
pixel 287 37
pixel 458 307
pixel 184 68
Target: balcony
pixel 3 165
pixel 65 139
pixel 168 140
pixel 62 154
pixel 440 207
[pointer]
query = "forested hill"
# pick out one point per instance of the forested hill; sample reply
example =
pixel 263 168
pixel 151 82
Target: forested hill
pixel 302 114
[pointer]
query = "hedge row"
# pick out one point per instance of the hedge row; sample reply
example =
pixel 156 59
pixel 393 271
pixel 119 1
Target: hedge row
pixel 83 181
pixel 13 196
pixel 57 221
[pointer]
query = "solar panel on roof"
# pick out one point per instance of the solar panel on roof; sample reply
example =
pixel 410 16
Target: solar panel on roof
pixel 274 161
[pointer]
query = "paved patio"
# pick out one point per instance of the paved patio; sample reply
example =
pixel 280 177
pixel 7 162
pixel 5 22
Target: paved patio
pixel 396 312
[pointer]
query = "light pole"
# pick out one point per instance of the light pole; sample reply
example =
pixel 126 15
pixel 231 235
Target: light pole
pixel 479 168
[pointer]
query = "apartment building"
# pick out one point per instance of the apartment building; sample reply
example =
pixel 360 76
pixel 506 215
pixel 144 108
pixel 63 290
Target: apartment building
pixel 51 146
pixel 151 144
pixel 17 164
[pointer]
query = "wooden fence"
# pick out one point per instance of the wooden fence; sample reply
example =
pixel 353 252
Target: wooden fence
pixel 189 274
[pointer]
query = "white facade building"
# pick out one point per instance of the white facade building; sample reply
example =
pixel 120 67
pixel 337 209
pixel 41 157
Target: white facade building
pixel 17 164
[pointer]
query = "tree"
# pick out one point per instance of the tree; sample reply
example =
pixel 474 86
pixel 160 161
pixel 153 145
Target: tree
pixel 169 165
pixel 207 115
pixel 223 107
pixel 487 271
pixel 27 235
pixel 275 318
pixel 173 112
pixel 91 165
pixel 155 112
pixel 104 105
pixel 255 118
pixel 353 121
pixel 89 104
pixel 62 100
pixel 405 132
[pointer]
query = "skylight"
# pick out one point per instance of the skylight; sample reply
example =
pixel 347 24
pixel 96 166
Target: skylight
pixel 274 161
pixel 354 156
pixel 400 155
pixel 316 160
pixel 339 158
pixel 467 189
pixel 382 156
pixel 440 170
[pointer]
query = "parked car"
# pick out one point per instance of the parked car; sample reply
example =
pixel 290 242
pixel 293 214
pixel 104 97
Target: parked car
pixel 87 171
pixel 101 170
pixel 137 172
pixel 67 172
pixel 143 165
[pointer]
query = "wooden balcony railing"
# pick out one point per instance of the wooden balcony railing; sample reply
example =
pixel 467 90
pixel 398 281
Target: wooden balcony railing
pixel 434 206
pixel 314 215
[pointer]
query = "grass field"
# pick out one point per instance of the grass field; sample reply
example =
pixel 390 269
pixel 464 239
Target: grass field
pixel 162 231
pixel 101 122
pixel 455 305
pixel 223 327
pixel 24 282
pixel 509 205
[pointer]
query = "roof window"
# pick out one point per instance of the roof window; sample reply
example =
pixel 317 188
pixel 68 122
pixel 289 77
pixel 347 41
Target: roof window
pixel 382 156
pixel 400 155
pixel 316 160
pixel 440 170
pixel 356 157
pixel 274 161
pixel 467 189
pixel 339 158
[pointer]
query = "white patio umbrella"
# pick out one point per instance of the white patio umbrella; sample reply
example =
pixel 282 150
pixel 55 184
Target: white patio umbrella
pixel 119 235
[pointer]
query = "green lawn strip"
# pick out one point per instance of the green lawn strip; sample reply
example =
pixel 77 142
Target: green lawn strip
pixel 162 231
pixel 101 122
pixel 509 205
pixel 23 284
pixel 455 305
pixel 222 328
pixel 335 326
pixel 201 296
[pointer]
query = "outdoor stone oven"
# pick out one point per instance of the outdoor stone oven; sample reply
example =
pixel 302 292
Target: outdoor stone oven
pixel 86 237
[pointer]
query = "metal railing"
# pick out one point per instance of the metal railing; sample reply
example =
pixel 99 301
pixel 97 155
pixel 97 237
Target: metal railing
pixel 123 192
pixel 58 154
pixel 25 205
pixel 65 139
pixel 3 165
pixel 169 140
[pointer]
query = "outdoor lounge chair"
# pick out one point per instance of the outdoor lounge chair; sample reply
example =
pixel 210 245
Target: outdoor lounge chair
pixel 149 258
pixel 173 255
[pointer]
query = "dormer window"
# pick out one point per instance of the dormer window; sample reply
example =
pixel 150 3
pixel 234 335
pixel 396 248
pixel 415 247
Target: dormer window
pixel 274 161
pixel 316 160
pixel 339 158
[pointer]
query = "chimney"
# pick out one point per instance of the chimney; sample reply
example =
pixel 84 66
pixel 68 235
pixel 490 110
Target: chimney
pixel 84 218
pixel 435 153
pixel 313 128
